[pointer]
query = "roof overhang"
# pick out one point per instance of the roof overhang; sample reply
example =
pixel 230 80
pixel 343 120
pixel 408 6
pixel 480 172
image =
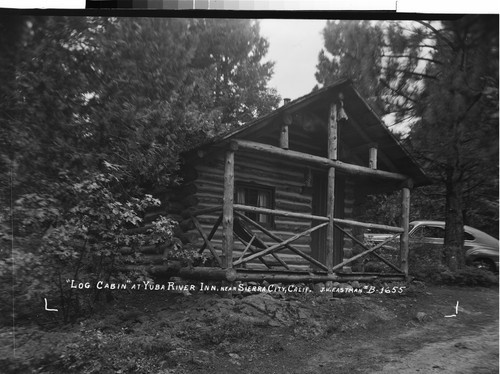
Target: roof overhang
pixel 364 121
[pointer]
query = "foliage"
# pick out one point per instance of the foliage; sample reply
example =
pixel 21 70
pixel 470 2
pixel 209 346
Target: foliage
pixel 130 92
pixel 231 52
pixel 189 256
pixel 386 207
pixel 81 243
pixel 95 112
pixel 87 350
pixel 470 276
pixel 441 77
pixel 351 50
pixel 423 259
pixel 425 263
pixel 456 150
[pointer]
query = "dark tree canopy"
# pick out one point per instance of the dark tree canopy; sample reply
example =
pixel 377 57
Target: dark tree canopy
pixel 127 92
pixel 352 50
pixel 230 55
pixel 457 135
pixel 94 114
pixel 443 76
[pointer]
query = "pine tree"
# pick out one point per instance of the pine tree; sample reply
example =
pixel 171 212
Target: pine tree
pixel 444 77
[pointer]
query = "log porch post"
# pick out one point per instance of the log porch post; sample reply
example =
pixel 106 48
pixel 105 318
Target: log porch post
pixel 330 205
pixel 372 163
pixel 284 133
pixel 227 208
pixel 405 222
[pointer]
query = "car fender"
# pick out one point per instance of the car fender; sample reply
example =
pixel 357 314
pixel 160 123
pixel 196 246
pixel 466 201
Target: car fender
pixel 481 252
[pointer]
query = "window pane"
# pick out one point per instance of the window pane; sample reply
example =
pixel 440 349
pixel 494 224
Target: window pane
pixel 435 232
pixel 258 196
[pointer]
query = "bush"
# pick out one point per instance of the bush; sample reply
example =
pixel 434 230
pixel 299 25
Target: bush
pixel 425 263
pixel 85 350
pixel 389 252
pixel 189 256
pixel 421 258
pixel 470 276
pixel 76 234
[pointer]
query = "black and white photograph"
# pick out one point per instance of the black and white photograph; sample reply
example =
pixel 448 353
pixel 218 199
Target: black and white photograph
pixel 248 192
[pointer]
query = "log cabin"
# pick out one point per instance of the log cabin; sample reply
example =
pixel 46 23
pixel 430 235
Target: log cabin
pixel 275 199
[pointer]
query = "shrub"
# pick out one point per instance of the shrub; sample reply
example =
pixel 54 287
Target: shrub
pixel 425 263
pixel 84 350
pixel 76 234
pixel 470 276
pixel 389 252
pixel 424 259
pixel 189 256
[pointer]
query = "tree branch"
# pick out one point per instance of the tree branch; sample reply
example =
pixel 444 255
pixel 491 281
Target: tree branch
pixel 417 58
pixel 417 46
pixel 386 84
pixel 423 75
pixel 437 33
pixel 438 194
pixel 431 160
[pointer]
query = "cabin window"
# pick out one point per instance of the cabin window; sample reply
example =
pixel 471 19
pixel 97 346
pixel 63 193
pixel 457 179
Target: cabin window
pixel 256 195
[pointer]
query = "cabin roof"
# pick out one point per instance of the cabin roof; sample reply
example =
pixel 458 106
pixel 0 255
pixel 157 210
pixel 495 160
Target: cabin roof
pixel 369 129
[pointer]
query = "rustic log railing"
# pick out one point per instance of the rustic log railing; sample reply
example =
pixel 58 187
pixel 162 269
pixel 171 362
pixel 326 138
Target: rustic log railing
pixel 325 220
pixel 262 249
pixel 363 245
pixel 278 239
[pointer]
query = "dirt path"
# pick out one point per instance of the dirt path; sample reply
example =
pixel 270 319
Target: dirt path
pixel 408 336
pixel 465 343
pixel 441 347
pixel 476 353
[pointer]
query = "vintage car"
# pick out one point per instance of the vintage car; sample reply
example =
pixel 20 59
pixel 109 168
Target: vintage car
pixel 481 249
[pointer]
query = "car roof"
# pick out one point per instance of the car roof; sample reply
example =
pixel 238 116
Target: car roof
pixel 484 237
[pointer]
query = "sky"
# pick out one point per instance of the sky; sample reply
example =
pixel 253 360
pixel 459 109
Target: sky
pixel 294 46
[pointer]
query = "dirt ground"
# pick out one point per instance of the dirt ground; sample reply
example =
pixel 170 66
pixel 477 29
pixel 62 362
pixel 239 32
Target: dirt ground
pixel 420 330
pixel 465 343
pixel 381 334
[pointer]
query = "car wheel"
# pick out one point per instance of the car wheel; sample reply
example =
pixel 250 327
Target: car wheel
pixel 485 264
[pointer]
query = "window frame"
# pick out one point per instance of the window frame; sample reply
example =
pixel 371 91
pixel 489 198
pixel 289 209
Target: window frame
pixel 259 188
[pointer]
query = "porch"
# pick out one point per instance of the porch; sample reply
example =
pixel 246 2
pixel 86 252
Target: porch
pixel 236 226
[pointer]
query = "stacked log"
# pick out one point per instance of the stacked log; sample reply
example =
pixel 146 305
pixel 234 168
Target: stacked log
pixel 206 191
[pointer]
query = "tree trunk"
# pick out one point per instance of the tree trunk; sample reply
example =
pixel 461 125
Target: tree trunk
pixel 454 256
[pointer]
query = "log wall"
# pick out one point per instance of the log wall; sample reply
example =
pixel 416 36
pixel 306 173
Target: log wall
pixel 287 178
pixel 287 181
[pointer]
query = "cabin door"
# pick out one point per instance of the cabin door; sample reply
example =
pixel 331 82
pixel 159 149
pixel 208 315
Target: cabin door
pixel 319 203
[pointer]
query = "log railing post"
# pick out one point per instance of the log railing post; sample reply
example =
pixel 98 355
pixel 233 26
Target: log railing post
pixel 284 136
pixel 405 223
pixel 284 133
pixel 227 208
pixel 330 204
pixel 372 162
